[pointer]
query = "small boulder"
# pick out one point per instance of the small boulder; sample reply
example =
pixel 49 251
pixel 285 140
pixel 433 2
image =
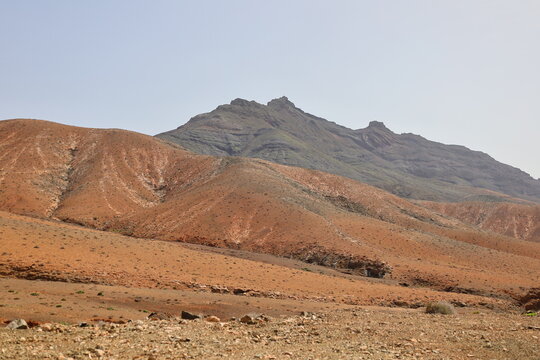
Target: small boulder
pixel 246 319
pixel 189 316
pixel 17 324
pixel 213 318
pixel 98 351
pixel 219 289
pixel 46 327
pixel 249 319
pixel 239 291
pixel 159 316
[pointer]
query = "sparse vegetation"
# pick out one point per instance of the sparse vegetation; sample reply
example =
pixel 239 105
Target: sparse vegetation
pixel 440 307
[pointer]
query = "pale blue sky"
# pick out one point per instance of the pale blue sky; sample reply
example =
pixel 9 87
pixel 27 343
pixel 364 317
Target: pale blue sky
pixel 461 72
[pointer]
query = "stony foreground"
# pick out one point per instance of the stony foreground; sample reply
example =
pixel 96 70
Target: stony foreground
pixel 360 333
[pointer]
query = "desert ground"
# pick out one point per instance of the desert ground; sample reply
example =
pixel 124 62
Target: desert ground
pixel 339 333
pixel 130 306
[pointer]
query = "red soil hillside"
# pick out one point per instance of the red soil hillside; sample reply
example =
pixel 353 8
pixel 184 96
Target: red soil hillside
pixel 140 186
pixel 516 220
pixel 45 250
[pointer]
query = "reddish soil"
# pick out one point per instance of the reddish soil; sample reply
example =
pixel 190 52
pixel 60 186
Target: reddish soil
pixel 114 225
pixel 521 221
pixel 136 185
pixel 43 250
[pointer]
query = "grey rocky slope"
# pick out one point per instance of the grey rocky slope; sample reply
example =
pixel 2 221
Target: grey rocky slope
pixel 407 165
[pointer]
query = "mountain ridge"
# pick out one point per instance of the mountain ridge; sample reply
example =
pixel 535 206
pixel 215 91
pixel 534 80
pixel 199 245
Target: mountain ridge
pixel 406 164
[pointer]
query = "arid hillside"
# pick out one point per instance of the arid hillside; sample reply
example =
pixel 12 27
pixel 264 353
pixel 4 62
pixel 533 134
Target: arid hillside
pixel 139 186
pixel 35 249
pixel 521 221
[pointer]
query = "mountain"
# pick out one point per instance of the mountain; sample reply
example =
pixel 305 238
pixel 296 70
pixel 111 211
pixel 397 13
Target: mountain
pixel 140 186
pixel 407 165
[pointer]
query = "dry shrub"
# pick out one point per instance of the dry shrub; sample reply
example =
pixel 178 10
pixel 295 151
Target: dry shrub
pixel 440 307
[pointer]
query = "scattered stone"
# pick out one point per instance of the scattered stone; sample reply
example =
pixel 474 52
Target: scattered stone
pixel 400 303
pixel 251 319
pixel 247 319
pixel 219 289
pixel 159 316
pixel 98 351
pixel 18 324
pixel 189 316
pixel 213 319
pixel 46 327
pixel 407 334
pixel 239 291
pixel 459 303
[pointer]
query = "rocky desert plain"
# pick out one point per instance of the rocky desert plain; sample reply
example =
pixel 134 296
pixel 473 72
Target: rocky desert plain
pixel 118 245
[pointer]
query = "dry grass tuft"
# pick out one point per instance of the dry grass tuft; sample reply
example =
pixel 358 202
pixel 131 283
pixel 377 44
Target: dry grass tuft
pixel 440 307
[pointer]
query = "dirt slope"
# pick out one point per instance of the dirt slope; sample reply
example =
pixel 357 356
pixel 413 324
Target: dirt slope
pixel 139 186
pixel 521 221
pixel 37 249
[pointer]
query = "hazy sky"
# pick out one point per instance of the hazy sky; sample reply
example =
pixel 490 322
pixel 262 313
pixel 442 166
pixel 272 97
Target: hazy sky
pixel 460 72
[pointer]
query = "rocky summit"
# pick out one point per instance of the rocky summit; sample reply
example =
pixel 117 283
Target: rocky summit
pixel 407 165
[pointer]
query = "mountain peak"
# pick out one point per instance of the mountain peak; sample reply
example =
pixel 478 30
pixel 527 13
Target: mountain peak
pixel 282 102
pixel 242 102
pixel 377 125
pixel 409 166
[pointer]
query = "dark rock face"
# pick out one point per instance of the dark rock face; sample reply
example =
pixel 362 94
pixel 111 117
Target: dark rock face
pixel 347 263
pixel 189 316
pixel 531 300
pixel 405 164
